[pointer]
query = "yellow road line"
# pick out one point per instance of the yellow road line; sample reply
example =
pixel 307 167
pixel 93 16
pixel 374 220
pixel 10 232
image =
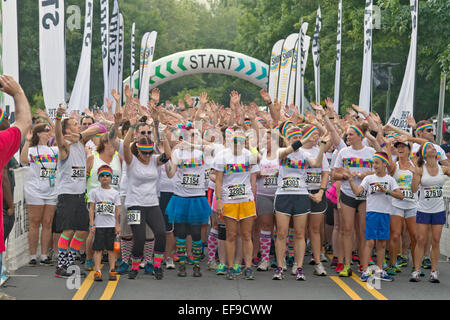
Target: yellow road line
pixel 110 289
pixel 352 294
pixel 373 291
pixel 85 286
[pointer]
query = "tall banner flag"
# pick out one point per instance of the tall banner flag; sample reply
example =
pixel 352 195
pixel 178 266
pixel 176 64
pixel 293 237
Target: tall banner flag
pixel 104 27
pixel 132 55
pixel 404 106
pixel 143 57
pixel 303 46
pixel 121 50
pixel 147 55
pixel 365 94
pixel 9 42
pixel 293 75
pixel 275 62
pixel 113 53
pixel 337 76
pixel 316 54
pixel 79 99
pixel 285 67
pixel 52 54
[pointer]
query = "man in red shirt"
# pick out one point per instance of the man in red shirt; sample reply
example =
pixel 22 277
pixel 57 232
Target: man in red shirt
pixel 10 137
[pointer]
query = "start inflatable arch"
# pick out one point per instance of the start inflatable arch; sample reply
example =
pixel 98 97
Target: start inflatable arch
pixel 205 61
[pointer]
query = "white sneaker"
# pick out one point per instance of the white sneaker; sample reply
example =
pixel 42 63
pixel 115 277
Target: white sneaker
pixel 319 270
pixel 169 263
pixel 323 257
pixel 212 265
pixel 294 269
pixel 434 277
pixel 263 266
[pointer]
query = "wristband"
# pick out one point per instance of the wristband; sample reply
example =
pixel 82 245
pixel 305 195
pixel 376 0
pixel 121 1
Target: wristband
pixel 388 192
pixel 163 158
pixel 297 145
pixel 383 145
pixel 218 198
pixel 58 117
pixel 132 127
pixel 81 136
pixel 91 226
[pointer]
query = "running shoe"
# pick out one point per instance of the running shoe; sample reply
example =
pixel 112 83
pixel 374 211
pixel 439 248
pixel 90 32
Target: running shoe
pixel 365 276
pixel 148 268
pixel 402 261
pixel 294 269
pixel 158 273
pixel 312 261
pixel 278 274
pixel 328 248
pixel 248 274
pixel 237 269
pixel 123 268
pixel 323 258
pixel 82 258
pixel 212 265
pixel 4 296
pixel 319 270
pixel 391 270
pixel 263 266
pixel 89 265
pixel 382 275
pixel 46 262
pixel 334 262
pixel 339 267
pixel 415 276
pixel 221 269
pixel 98 276
pixel 182 271
pixel 397 268
pixel 426 263
pixel 230 274
pixel 112 275
pixel 434 277
pixel 132 274
pixel 62 273
pixel 355 258
pixel 300 276
pixel 290 261
pixel 256 261
pixel 346 272
pixel 197 272
pixel 32 263
pixel 169 263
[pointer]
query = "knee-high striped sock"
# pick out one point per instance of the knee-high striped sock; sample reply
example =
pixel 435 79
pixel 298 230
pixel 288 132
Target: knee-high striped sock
pixel 181 250
pixel 213 244
pixel 126 246
pixel 74 248
pixel 63 245
pixel 197 251
pixel 264 244
pixel 291 252
pixel 135 262
pixel 157 259
pixel 148 251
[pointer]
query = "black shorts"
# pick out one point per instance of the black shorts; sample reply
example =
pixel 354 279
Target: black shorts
pixel 329 215
pixel 163 202
pixel 292 204
pixel 351 202
pixel 104 239
pixel 71 213
pixel 318 207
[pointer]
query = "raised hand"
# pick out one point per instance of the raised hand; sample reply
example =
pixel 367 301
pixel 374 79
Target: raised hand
pixel 127 92
pixel 108 104
pixel 265 96
pixel 61 110
pixel 116 95
pixel 155 95
pixel 189 100
pixel 411 121
pixel 235 99
pixel 329 103
pixel 203 99
pixel 181 105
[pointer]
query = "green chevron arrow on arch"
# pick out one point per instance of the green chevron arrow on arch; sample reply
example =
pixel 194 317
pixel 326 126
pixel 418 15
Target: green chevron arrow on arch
pixel 263 75
pixel 180 64
pixel 241 65
pixel 169 68
pixel 158 73
pixel 252 69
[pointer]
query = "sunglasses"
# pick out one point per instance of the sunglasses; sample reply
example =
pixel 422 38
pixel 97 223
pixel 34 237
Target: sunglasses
pixel 45 130
pixel 145 153
pixel 104 175
pixel 429 130
pixel 146 133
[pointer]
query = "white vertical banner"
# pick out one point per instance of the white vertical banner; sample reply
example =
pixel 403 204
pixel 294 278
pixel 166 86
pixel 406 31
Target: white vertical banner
pixel 404 106
pixel 365 93
pixel 52 54
pixel 79 99
pixel 316 54
pixel 275 62
pixel 303 54
pixel 337 76
pixel 104 28
pixel 132 55
pixel 147 52
pixel 10 48
pixel 113 53
pixel 285 68
pixel 293 75
pixel 121 50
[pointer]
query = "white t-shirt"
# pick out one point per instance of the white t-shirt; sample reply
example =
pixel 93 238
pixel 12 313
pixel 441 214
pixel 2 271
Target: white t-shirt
pixel 105 201
pixel 236 186
pixel 41 178
pixel 378 201
pixel 292 173
pixel 267 184
pixel 314 175
pixel 189 180
pixel 354 160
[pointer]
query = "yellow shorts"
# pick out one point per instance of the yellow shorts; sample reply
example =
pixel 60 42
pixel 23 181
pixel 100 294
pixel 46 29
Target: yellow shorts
pixel 239 211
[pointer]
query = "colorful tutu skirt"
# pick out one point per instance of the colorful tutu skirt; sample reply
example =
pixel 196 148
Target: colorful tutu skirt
pixel 192 210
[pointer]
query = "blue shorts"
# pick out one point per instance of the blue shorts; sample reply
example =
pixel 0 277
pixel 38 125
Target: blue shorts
pixel 377 226
pixel 431 218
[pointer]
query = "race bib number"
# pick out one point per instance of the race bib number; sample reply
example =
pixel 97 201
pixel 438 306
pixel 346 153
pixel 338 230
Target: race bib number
pixel 191 181
pixel 291 184
pixel 115 180
pixel 407 194
pixel 134 217
pixel 377 187
pixel 432 192
pixel 236 192
pixel 313 178
pixel 207 172
pixel 270 182
pixel 46 173
pixel 105 208
pixel 78 173
pixel 362 195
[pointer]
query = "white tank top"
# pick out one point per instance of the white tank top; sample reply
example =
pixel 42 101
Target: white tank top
pixel 267 184
pixel 430 193
pixel 404 179
pixel 93 182
pixel 71 172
